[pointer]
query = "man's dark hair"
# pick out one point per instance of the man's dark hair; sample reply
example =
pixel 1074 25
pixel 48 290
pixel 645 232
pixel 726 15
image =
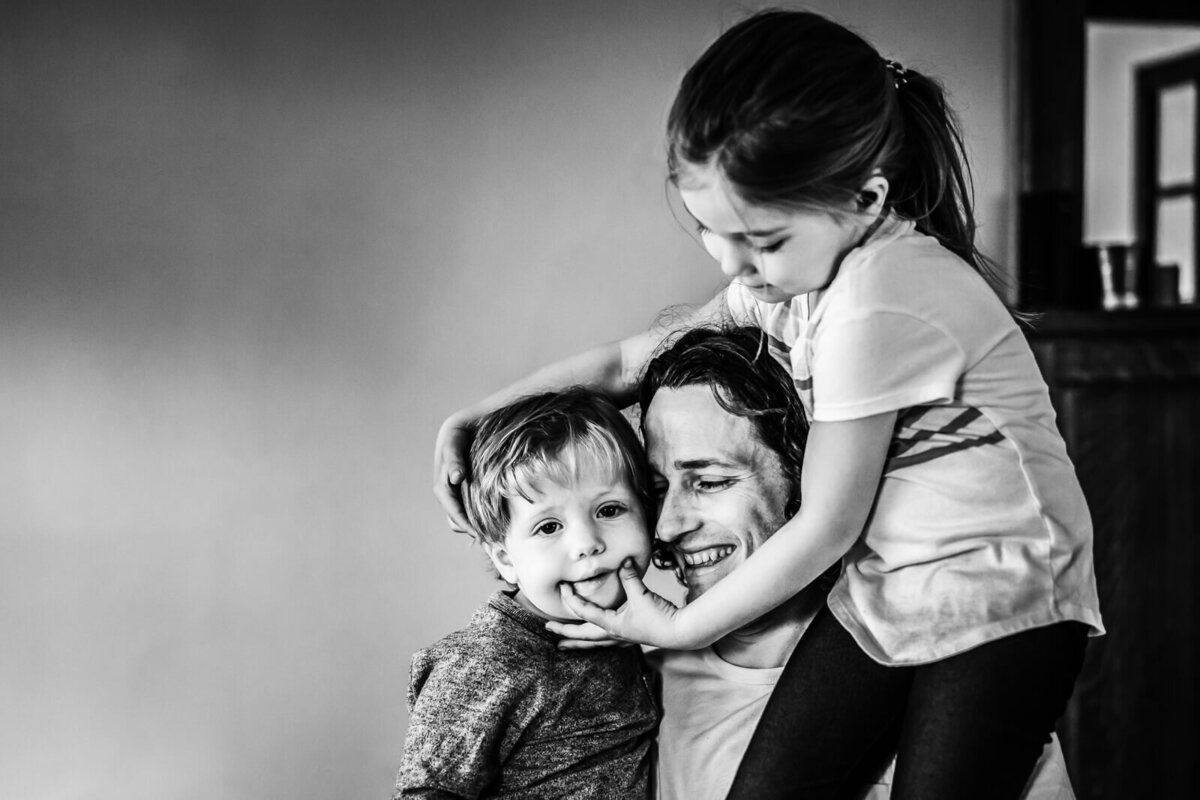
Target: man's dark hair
pixel 745 380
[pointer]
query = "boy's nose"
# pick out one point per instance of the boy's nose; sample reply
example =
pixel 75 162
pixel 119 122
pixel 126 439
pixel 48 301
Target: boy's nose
pixel 586 541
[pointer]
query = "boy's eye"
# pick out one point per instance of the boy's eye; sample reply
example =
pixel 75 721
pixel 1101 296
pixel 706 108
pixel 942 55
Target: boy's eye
pixel 702 230
pixel 548 528
pixel 770 248
pixel 610 510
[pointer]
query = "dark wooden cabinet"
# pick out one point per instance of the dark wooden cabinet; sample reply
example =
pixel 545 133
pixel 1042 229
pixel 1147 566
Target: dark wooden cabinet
pixel 1126 386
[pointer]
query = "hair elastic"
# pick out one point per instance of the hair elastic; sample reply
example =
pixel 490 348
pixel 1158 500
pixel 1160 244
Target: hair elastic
pixel 899 73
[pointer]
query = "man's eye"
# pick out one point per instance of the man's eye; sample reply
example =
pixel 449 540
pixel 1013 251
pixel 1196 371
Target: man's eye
pixel 712 484
pixel 548 528
pixel 610 511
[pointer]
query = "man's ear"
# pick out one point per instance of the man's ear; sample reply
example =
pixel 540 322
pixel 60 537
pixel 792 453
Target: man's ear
pixel 873 195
pixel 501 561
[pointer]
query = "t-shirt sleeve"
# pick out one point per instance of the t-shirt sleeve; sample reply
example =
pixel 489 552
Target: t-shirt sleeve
pixel 873 362
pixel 742 308
pixel 461 725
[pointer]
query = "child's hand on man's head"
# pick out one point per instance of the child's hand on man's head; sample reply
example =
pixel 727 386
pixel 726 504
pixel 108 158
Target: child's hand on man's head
pixel 450 470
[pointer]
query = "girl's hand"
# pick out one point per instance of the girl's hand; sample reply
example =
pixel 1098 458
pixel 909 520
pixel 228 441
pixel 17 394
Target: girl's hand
pixel 645 618
pixel 584 636
pixel 450 469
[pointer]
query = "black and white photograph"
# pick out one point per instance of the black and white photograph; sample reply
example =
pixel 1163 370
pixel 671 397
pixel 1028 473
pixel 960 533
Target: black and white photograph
pixel 599 399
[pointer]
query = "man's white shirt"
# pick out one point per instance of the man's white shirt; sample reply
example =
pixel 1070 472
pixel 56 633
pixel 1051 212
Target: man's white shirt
pixel 710 710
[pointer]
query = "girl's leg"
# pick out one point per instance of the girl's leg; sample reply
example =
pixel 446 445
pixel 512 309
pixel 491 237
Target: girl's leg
pixel 832 714
pixel 976 722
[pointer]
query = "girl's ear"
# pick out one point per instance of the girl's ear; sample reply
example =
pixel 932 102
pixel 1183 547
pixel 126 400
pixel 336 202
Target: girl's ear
pixel 502 561
pixel 873 195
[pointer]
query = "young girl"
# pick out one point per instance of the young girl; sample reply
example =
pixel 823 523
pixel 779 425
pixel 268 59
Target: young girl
pixel 831 186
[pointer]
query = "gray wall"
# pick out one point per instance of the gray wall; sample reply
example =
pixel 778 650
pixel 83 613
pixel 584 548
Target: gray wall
pixel 252 253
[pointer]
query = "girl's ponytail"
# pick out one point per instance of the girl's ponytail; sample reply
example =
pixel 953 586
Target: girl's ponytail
pixel 932 183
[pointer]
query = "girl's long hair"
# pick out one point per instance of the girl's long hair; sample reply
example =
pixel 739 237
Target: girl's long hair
pixel 797 111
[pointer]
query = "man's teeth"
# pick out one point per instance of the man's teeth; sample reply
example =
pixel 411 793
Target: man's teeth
pixel 711 555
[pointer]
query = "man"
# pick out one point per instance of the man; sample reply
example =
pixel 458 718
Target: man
pixel 724 434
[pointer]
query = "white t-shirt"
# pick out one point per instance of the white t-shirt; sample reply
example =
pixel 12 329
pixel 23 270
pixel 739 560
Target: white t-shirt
pixel 980 529
pixel 710 710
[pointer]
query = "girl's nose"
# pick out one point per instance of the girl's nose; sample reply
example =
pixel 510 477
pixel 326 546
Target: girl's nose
pixel 736 262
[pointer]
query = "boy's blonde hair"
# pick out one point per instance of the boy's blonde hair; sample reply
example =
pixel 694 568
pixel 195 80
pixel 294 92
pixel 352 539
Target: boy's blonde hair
pixel 546 437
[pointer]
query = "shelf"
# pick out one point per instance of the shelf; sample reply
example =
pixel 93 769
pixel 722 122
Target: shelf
pixel 1151 322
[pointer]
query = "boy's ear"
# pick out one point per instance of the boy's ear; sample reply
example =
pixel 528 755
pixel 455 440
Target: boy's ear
pixel 501 561
pixel 873 195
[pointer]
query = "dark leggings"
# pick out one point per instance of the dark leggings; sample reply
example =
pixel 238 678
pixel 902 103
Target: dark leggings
pixel 972 725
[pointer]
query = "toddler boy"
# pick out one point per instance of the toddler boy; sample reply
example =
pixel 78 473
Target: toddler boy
pixel 558 495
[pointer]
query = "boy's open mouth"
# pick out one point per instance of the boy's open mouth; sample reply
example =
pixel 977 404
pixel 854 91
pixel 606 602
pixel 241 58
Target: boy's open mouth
pixel 592 584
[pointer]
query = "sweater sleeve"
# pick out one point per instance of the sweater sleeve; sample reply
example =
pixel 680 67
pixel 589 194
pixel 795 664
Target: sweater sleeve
pixel 465 717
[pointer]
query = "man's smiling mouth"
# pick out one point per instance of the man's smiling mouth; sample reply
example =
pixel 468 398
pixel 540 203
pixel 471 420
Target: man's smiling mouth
pixel 706 557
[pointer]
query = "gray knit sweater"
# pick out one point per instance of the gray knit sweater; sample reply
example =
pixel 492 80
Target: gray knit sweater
pixel 499 711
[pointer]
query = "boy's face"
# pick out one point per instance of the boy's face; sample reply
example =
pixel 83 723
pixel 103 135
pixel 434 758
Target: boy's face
pixel 578 534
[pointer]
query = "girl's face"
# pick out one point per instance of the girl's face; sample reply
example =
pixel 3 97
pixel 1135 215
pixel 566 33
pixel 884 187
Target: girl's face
pixel 776 253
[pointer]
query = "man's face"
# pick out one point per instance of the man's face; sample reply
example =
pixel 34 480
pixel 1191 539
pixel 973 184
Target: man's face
pixel 721 491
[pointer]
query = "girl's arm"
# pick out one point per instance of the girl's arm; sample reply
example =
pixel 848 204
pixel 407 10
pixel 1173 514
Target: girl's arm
pixel 843 464
pixel 613 369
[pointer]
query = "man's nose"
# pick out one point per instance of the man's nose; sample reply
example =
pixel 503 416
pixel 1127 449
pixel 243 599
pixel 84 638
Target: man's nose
pixel 676 517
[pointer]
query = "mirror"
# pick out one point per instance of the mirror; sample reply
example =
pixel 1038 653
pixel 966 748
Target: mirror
pixel 1140 142
pixel 1107 190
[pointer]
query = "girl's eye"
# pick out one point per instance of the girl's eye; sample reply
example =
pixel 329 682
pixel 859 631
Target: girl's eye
pixel 770 248
pixel 548 528
pixel 702 230
pixel 610 511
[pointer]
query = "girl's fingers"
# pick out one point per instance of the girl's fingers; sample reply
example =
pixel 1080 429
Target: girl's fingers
pixel 450 501
pixel 586 610
pixel 449 470
pixel 576 644
pixel 645 617
pixel 631 580
pixel 580 632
